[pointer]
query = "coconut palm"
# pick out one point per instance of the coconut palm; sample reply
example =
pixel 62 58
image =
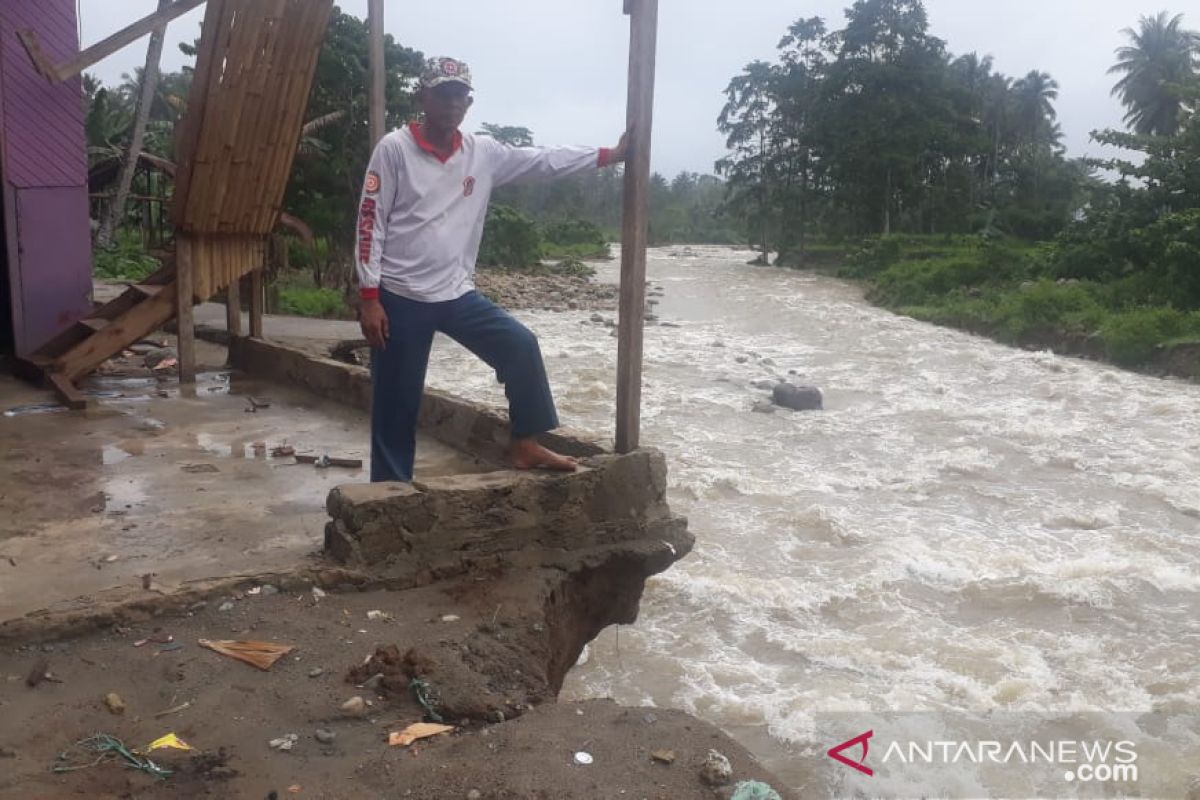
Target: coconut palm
pixel 1158 61
pixel 1035 95
pixel 115 212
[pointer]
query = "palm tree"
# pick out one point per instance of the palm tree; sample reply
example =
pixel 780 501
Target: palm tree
pixel 1159 59
pixel 1035 95
pixel 115 212
pixel 107 120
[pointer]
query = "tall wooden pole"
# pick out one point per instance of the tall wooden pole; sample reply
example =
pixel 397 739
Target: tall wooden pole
pixel 184 300
pixel 643 40
pixel 378 74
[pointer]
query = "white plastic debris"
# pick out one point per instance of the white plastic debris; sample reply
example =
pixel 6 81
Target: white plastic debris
pixel 285 742
pixel 583 758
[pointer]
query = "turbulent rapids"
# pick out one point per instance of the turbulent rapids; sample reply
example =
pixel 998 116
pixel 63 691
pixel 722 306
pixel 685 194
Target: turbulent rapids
pixel 964 527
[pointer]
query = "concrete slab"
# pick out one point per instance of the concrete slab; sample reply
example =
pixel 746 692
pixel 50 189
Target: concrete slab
pixel 170 487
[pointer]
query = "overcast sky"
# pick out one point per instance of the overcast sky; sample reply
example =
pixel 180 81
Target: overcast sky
pixel 558 67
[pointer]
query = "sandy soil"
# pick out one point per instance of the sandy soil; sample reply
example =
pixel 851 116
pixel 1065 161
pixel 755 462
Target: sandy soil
pixel 234 710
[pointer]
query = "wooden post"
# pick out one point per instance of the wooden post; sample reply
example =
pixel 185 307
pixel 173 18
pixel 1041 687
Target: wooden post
pixel 101 50
pixel 378 73
pixel 233 308
pixel 643 39
pixel 184 317
pixel 256 303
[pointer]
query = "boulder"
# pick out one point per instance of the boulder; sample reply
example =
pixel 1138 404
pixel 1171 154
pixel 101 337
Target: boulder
pixel 798 398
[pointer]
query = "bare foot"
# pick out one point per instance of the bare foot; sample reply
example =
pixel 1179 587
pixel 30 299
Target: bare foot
pixel 528 454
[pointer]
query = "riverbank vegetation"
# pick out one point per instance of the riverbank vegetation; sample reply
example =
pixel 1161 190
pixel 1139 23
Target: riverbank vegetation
pixel 875 152
pixel 542 228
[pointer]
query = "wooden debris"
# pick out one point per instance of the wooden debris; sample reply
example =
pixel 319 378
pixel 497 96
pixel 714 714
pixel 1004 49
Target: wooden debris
pixel 259 654
pixel 326 461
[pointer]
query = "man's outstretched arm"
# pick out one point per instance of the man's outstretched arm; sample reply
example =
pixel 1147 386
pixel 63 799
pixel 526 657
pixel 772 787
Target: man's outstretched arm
pixel 529 164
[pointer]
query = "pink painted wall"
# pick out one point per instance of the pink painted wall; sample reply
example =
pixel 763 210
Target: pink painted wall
pixel 43 166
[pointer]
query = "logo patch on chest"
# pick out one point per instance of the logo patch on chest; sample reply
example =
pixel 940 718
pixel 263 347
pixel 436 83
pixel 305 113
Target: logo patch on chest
pixel 469 187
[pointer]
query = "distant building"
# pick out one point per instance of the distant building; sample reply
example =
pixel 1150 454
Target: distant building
pixel 45 239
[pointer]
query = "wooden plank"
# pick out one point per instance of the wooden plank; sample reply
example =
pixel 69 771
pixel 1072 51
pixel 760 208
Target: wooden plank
pixel 184 319
pixel 643 36
pixel 67 392
pixel 111 310
pixel 41 62
pixel 256 303
pixel 311 33
pixel 233 308
pixel 223 117
pixel 95 324
pixel 264 100
pixel 187 134
pixel 142 319
pixel 105 48
pixel 259 130
pixel 378 75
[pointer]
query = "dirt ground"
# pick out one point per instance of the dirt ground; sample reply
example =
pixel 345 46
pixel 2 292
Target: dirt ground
pixel 482 646
pixel 491 648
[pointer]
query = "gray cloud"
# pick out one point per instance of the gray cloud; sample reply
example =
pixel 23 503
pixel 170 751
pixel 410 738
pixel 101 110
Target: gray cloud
pixel 559 67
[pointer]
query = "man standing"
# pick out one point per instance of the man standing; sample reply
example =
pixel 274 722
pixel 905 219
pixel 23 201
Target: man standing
pixel 420 223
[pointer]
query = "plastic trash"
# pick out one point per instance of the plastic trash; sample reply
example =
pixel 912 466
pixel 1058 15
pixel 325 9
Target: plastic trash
pixel 418 730
pixel 284 743
pixel 754 790
pixel 168 741
pixel 35 408
pixel 107 748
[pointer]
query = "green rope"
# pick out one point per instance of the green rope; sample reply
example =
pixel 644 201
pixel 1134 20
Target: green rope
pixel 109 747
pixel 422 691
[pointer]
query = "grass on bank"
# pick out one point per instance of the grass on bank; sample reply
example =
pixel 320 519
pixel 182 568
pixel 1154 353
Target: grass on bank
pixel 1006 289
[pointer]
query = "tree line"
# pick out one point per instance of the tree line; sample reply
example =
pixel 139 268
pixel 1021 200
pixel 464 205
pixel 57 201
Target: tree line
pixel 877 127
pixel 334 151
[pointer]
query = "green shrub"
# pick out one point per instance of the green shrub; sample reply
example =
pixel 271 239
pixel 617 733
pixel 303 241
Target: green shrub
pixel 575 232
pixel 309 302
pixel 307 257
pixel 558 252
pixel 510 239
pixel 572 266
pixel 1132 337
pixel 873 257
pixel 125 260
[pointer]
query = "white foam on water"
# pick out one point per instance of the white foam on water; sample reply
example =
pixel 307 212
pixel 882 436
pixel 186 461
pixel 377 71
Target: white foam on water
pixel 965 527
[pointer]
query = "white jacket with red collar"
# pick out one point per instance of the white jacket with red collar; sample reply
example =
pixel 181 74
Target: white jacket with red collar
pixel 422 213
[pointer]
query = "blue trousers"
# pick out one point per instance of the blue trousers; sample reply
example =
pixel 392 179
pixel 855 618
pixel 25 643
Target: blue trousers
pixel 398 372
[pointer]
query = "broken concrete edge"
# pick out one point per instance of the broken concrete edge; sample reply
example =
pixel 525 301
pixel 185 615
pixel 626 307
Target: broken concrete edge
pixel 124 606
pixel 610 499
pixel 469 427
